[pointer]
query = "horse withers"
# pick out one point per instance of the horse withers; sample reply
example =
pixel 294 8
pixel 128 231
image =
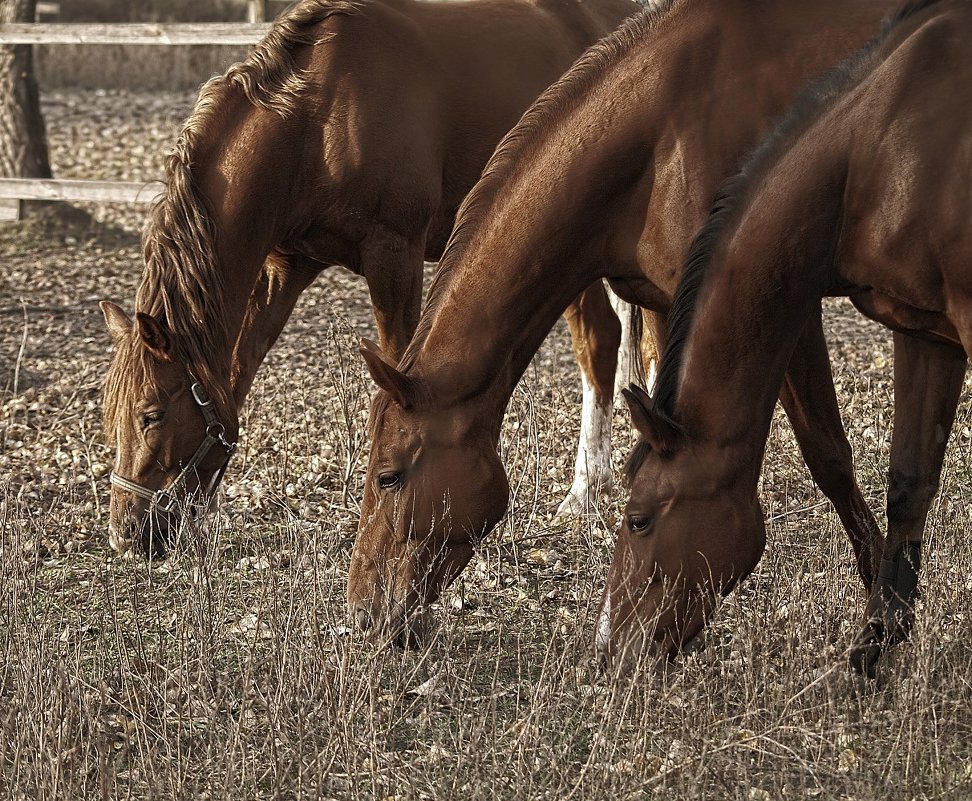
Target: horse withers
pixel 608 175
pixel 349 137
pixel 863 191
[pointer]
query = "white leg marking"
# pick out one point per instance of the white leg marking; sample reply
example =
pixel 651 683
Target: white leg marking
pixel 629 353
pixel 592 468
pixel 603 638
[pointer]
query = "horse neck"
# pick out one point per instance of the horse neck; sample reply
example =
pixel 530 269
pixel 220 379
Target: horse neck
pixel 212 263
pixel 497 296
pixel 764 282
pixel 250 185
pixel 541 234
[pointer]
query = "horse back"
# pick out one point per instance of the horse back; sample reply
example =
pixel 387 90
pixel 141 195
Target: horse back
pixel 906 199
pixel 483 63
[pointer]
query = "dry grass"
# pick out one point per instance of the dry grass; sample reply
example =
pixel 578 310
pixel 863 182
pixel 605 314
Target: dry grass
pixel 228 671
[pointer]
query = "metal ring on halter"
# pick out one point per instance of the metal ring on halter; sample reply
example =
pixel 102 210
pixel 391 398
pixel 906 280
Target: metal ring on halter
pixel 165 499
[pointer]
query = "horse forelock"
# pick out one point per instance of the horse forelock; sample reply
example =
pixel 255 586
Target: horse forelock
pixel 127 374
pixel 637 458
pixel 818 96
pixel 512 155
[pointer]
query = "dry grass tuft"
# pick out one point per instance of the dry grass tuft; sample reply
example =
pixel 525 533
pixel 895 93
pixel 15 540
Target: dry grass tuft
pixel 229 671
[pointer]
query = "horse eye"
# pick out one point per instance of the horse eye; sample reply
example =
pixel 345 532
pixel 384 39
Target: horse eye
pixel 639 523
pixel 151 418
pixel 389 480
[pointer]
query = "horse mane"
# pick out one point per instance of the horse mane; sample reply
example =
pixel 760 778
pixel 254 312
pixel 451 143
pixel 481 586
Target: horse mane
pixel 819 95
pixel 511 155
pixel 182 284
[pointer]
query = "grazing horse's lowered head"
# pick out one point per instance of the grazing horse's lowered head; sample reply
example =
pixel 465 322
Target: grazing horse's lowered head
pixel 435 485
pixel 173 433
pixel 828 204
pixel 682 543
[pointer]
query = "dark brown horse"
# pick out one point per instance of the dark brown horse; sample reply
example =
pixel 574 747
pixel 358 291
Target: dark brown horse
pixel 608 175
pixel 863 191
pixel 349 137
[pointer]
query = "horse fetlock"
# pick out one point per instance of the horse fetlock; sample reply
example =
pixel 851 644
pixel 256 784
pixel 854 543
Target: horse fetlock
pixel 896 590
pixel 891 611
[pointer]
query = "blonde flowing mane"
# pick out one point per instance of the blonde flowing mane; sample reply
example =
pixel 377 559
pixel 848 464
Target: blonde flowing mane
pixel 182 284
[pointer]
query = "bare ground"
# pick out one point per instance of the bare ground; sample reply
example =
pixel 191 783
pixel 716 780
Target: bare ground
pixel 229 670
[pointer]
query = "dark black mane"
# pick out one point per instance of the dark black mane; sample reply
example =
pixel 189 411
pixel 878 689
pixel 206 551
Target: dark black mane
pixel 821 94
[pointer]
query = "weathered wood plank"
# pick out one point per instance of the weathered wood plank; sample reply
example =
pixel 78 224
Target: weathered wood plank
pixel 64 189
pixel 224 33
pixel 9 209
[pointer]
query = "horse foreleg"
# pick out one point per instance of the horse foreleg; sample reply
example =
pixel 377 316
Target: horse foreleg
pixel 392 266
pixel 272 300
pixel 928 379
pixel 809 399
pixel 595 334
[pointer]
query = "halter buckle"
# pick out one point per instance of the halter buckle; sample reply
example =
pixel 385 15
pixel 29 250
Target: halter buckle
pixel 199 395
pixel 165 502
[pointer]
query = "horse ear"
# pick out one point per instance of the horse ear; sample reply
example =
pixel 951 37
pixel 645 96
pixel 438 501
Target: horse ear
pixel 387 376
pixel 119 324
pixel 155 336
pixel 659 432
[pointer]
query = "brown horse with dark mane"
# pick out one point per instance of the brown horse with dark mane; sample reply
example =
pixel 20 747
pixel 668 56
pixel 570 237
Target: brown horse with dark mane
pixel 349 136
pixel 862 191
pixel 608 175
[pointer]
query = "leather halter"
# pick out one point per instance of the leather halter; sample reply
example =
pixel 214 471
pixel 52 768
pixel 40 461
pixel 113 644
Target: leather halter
pixel 166 499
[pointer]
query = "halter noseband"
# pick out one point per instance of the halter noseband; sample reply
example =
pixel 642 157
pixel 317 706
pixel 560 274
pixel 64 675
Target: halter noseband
pixel 166 499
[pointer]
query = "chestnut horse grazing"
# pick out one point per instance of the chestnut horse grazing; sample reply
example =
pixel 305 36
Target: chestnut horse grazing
pixel 608 175
pixel 349 136
pixel 863 191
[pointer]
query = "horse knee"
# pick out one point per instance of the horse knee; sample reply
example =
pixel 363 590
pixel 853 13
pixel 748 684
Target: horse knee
pixel 835 476
pixel 909 495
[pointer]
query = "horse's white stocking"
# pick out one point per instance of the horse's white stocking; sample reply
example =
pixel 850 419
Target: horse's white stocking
pixel 629 354
pixel 592 468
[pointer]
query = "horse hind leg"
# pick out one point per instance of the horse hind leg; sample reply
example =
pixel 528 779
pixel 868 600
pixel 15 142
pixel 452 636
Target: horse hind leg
pixel 642 341
pixel 595 336
pixel 928 379
pixel 630 364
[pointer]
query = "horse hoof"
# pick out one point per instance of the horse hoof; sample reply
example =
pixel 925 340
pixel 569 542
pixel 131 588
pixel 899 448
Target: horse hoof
pixel 570 509
pixel 864 658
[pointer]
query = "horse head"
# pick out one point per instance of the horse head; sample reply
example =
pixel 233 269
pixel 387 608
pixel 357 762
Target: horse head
pixel 690 532
pixel 434 486
pixel 172 439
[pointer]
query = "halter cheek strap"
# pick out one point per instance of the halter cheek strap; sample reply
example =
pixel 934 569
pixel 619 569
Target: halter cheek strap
pixel 166 499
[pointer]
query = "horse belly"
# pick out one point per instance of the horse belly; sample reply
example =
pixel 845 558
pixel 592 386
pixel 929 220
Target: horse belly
pixel 900 316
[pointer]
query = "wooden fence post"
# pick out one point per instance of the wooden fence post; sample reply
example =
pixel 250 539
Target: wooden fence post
pixel 256 11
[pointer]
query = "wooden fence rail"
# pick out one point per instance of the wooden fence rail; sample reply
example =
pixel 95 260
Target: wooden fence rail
pixel 14 191
pixel 203 33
